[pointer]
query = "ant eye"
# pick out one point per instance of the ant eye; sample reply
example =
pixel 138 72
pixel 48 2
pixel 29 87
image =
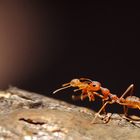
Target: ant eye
pixel 95 84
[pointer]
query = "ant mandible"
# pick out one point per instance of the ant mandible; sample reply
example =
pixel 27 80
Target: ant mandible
pixel 90 88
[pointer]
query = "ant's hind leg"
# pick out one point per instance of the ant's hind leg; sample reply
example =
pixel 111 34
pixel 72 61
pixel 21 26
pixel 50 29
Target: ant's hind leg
pixel 125 109
pixel 128 90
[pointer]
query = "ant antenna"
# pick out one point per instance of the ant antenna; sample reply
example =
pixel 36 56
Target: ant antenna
pixel 66 84
pixel 61 89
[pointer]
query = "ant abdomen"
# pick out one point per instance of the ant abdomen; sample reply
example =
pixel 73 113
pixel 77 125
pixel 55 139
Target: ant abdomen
pixel 133 99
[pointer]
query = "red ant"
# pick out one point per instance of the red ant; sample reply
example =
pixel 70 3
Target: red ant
pixel 90 88
pixel 128 102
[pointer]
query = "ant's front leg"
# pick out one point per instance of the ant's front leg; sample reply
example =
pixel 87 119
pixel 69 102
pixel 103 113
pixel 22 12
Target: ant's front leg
pixel 103 102
pixel 79 97
pixel 107 117
pixel 98 114
pixel 91 96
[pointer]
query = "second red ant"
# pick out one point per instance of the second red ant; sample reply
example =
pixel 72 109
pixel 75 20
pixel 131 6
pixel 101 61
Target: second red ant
pixel 90 89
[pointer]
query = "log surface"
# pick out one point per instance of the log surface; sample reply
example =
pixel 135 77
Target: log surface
pixel 29 116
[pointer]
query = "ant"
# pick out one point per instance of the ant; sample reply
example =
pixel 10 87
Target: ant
pixel 128 102
pixel 90 88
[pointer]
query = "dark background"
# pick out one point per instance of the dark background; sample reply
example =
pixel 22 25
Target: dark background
pixel 51 43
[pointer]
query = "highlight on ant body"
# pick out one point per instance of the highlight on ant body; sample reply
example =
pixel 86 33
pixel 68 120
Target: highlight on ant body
pixel 91 89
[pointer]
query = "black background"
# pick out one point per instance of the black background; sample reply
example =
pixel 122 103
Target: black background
pixel 94 39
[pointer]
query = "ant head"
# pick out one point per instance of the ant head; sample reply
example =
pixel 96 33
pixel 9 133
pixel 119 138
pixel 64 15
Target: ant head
pixel 95 85
pixel 74 82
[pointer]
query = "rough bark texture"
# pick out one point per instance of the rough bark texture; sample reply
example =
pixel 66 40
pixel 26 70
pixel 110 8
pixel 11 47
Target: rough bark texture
pixel 29 116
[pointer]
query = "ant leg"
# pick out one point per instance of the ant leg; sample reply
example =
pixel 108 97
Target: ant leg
pixel 66 84
pixel 96 93
pixel 98 114
pixel 76 97
pixel 75 90
pixel 125 109
pixel 90 96
pixel 138 107
pixel 103 102
pixel 82 97
pixel 107 117
pixel 128 90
